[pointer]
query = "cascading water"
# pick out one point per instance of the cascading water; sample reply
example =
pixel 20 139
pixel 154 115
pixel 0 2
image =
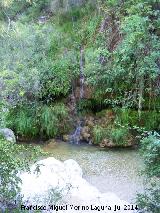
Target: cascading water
pixel 75 137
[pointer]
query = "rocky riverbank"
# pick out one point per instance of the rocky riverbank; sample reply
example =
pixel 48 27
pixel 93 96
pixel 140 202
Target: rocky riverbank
pixel 64 188
pixel 101 129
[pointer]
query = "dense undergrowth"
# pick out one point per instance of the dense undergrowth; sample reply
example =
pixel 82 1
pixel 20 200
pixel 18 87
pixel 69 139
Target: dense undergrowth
pixel 40 61
pixel 40 43
pixel 39 120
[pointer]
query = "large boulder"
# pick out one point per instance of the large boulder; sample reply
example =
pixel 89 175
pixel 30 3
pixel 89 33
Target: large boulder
pixel 73 168
pixel 8 134
pixel 54 183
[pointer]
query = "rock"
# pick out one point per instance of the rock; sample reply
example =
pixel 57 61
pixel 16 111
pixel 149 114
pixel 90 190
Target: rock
pixel 102 145
pixel 66 138
pixel 88 92
pixel 108 143
pixel 46 175
pixel 86 137
pixel 73 167
pixel 53 180
pixel 85 133
pixel 89 121
pixel 8 134
pixel 130 142
pixel 50 144
pixel 71 102
pixel 51 141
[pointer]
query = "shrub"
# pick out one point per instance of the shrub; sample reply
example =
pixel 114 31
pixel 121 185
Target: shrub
pixel 99 133
pixel 54 120
pixel 14 158
pixel 122 115
pixel 150 148
pixel 23 120
pixel 149 201
pixel 149 119
pixel 20 75
pixel 32 120
pixel 56 79
pixel 119 136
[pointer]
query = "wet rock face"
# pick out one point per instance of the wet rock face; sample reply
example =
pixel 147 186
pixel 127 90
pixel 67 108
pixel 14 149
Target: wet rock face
pixel 85 133
pixel 90 121
pixel 86 130
pixel 8 134
pixel 102 125
pixel 71 103
pixel 106 143
pixel 63 181
pixel 109 134
pixel 87 94
pixel 109 143
pixel 66 138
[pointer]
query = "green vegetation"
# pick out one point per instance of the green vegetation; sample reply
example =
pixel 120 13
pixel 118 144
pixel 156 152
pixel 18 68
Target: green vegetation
pixel 99 134
pixel 14 158
pixel 127 54
pixel 151 152
pixel 149 201
pixel 40 54
pixel 40 62
pixel 118 136
pixel 39 120
pixel 127 117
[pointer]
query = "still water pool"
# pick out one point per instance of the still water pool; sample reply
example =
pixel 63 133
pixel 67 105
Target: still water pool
pixel 116 171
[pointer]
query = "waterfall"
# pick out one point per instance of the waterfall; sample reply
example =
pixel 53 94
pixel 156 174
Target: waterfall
pixel 75 137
